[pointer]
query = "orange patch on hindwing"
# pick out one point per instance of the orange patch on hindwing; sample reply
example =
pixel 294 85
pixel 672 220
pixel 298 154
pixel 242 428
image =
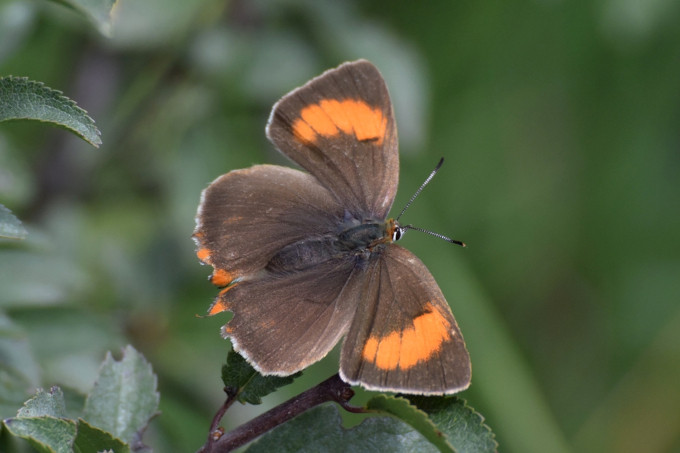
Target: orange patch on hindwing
pixel 220 277
pixel 220 304
pixel 330 117
pixel 203 254
pixel 415 344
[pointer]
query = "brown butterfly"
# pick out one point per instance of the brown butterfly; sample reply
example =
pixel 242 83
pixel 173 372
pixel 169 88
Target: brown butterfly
pixel 307 258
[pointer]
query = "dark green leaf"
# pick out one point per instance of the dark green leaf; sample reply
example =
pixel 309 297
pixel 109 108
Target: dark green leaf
pixel 320 430
pixel 405 411
pixel 463 426
pixel 94 440
pixel 44 403
pixel 23 99
pixel 98 11
pixel 124 396
pixel 251 386
pixel 10 226
pixel 46 434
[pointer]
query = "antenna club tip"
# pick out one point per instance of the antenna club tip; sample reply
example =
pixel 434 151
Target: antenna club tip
pixel 463 244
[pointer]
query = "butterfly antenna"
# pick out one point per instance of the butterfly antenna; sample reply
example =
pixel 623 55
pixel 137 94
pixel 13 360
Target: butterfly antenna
pixel 434 172
pixel 440 236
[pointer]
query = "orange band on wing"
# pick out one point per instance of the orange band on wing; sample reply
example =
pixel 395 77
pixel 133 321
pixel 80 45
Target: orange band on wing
pixel 330 116
pixel 415 344
pixel 220 304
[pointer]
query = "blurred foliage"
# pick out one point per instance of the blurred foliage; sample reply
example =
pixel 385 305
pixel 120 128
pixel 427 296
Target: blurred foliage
pixel 560 124
pixel 114 417
pixel 10 226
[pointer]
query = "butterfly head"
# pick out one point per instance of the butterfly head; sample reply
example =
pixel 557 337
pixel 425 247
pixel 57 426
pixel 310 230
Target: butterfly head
pixel 394 230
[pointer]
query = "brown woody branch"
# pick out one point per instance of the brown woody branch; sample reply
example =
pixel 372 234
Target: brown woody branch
pixel 332 389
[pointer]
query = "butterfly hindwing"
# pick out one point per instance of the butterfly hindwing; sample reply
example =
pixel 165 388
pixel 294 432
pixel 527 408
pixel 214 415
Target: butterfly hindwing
pixel 284 322
pixel 404 337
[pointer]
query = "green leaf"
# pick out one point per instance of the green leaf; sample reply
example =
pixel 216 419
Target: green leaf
pixel 23 99
pixel 10 226
pixel 19 370
pixel 30 278
pixel 94 440
pixel 124 396
pixel 320 430
pixel 464 428
pixel 46 434
pixel 44 403
pixel 251 386
pixel 98 11
pixel 405 411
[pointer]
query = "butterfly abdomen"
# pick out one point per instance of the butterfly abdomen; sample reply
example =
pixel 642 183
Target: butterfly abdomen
pixel 302 255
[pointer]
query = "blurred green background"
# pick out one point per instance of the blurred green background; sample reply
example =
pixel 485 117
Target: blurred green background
pixel 560 124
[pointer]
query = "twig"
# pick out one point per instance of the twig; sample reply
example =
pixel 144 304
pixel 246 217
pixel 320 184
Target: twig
pixel 214 426
pixel 332 389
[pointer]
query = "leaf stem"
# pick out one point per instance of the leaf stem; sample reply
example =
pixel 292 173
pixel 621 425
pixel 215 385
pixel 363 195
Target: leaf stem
pixel 332 389
pixel 232 393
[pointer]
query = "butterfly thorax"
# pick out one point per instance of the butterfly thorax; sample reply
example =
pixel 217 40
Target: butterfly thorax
pixel 354 241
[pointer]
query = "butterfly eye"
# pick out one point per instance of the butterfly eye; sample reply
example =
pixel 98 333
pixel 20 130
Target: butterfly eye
pixel 396 235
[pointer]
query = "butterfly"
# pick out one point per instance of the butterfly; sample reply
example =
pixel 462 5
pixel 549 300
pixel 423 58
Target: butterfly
pixel 305 258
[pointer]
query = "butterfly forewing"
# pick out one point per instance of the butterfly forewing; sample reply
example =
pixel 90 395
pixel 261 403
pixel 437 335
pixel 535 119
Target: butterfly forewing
pixel 340 128
pixel 247 216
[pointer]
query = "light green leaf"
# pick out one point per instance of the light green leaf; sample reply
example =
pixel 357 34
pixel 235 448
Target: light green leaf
pixel 464 428
pixel 10 226
pixel 98 11
pixel 23 99
pixel 124 396
pixel 320 430
pixel 251 386
pixel 19 370
pixel 29 278
pixel 46 434
pixel 94 440
pixel 17 19
pixel 405 411
pixel 44 403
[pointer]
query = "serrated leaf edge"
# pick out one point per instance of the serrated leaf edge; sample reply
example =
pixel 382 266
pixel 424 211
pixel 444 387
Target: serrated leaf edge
pixel 243 388
pixel 8 421
pixel 481 421
pixel 466 406
pixel 438 432
pixel 80 420
pixel 37 393
pixel 41 86
pixel 108 359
